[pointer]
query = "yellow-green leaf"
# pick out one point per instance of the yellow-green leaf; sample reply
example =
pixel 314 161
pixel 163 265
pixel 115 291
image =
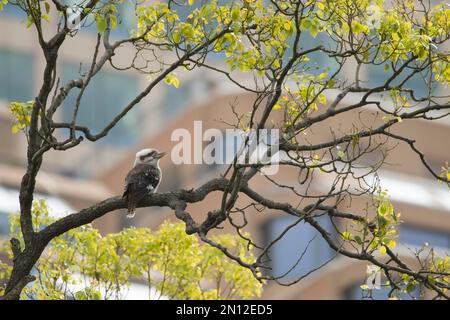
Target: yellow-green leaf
pixel 305 24
pixel 322 75
pixel 172 79
pixel 101 23
pixel 276 107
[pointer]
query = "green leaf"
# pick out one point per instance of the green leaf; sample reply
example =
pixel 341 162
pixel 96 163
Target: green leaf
pixel 322 75
pixel 410 287
pixel 101 23
pixel 358 240
pixel 305 24
pixel 276 107
pixel 176 37
pixel 287 25
pixel 276 64
pixel 172 79
pixel 2 4
pixel 235 13
pixel 187 30
pixel 322 98
pixel 113 21
pixel 314 30
pixel 80 295
pixel 358 27
pixel 392 244
pixel 21 111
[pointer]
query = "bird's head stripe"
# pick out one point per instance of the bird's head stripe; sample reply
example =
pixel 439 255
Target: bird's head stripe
pixel 149 155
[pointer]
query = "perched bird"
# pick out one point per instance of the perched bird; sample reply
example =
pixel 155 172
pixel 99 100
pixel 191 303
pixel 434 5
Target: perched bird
pixel 143 179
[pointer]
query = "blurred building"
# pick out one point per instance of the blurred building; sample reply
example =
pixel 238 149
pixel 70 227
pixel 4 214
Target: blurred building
pixel 207 97
pixel 422 201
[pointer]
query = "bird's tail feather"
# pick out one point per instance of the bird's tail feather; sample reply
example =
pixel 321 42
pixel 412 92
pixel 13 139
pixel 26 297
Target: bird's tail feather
pixel 131 209
pixel 131 205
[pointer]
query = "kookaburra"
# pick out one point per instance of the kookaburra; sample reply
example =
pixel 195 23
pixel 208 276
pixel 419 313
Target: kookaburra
pixel 143 179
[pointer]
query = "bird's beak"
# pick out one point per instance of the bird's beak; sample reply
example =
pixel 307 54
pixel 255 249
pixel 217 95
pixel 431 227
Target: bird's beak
pixel 160 155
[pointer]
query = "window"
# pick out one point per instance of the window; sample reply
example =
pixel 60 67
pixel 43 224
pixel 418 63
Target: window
pixel 409 236
pixel 225 148
pixel 16 76
pixel 126 18
pixel 9 204
pixel 230 145
pixel 4 223
pixel 417 236
pixel 356 293
pixel 319 61
pixel 176 99
pixel 285 253
pixel 13 10
pixel 183 10
pixel 375 75
pixel 107 94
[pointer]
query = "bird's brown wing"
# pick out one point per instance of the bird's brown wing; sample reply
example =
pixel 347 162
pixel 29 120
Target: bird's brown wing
pixel 138 184
pixel 131 198
pixel 130 190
